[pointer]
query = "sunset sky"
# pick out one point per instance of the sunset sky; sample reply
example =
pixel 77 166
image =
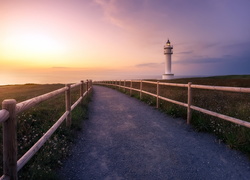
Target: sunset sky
pixel 50 41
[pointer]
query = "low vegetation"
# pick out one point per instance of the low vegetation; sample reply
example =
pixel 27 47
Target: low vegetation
pixel 33 123
pixel 229 103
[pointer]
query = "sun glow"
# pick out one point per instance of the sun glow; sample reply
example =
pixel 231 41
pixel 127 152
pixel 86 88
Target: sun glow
pixel 32 46
pixel 33 43
pixel 36 43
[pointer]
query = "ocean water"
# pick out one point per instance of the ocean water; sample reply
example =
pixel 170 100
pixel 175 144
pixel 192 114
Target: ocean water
pixel 70 77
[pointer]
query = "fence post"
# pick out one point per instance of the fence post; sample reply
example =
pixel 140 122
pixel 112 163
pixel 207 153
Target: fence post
pixel 10 140
pixel 140 89
pixel 157 97
pixel 189 111
pixel 68 105
pixel 124 85
pixel 90 83
pixel 81 88
pixel 87 87
pixel 130 90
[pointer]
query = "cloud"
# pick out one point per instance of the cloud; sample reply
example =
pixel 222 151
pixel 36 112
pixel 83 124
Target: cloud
pixel 207 45
pixel 58 67
pixel 150 65
pixel 135 17
pixel 198 61
pixel 112 10
pixel 185 52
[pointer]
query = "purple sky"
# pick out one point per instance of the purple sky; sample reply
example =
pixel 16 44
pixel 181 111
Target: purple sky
pixel 119 39
pixel 210 35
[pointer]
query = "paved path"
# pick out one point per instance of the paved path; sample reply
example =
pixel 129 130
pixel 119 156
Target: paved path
pixel 127 139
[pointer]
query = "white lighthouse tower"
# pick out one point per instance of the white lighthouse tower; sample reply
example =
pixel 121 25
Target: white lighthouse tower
pixel 168 52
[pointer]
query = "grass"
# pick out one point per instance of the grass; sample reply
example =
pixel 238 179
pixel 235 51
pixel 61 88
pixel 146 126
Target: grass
pixel 32 124
pixel 229 103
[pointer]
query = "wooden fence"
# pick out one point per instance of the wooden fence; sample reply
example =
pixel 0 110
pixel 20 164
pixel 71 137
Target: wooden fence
pixel 8 116
pixel 128 84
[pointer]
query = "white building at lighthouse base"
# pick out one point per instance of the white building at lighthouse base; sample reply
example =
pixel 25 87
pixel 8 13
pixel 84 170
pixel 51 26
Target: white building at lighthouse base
pixel 167 76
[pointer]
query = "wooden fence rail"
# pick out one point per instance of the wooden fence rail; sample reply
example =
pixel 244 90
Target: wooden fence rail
pixel 128 84
pixel 8 116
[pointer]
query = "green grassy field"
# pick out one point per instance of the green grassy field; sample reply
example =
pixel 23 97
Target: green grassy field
pixel 32 124
pixel 229 103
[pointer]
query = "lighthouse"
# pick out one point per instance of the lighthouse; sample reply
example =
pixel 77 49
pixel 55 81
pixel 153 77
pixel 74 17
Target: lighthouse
pixel 168 53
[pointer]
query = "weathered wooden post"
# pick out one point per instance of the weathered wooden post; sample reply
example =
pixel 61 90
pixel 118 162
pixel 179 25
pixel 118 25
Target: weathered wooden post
pixel 124 85
pixel 189 110
pixel 10 140
pixel 90 83
pixel 130 90
pixel 68 105
pixel 157 97
pixel 140 89
pixel 87 87
pixel 81 88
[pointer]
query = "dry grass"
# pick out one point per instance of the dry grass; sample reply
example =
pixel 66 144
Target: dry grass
pixel 229 103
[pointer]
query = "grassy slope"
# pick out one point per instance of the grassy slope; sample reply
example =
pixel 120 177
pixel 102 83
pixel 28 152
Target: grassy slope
pixel 27 91
pixel 232 80
pixel 229 103
pixel 33 123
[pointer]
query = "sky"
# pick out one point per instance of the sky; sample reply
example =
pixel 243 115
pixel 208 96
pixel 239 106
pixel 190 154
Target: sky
pixel 62 41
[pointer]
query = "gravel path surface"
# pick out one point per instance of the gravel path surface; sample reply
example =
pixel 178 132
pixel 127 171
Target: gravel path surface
pixel 127 139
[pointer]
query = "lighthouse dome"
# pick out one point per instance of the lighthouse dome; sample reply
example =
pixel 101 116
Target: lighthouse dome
pixel 168 42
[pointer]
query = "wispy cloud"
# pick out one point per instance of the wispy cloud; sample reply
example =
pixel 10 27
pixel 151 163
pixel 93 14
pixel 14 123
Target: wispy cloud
pixel 134 17
pixel 60 67
pixel 112 10
pixel 185 52
pixel 150 65
pixel 209 45
pixel 198 61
